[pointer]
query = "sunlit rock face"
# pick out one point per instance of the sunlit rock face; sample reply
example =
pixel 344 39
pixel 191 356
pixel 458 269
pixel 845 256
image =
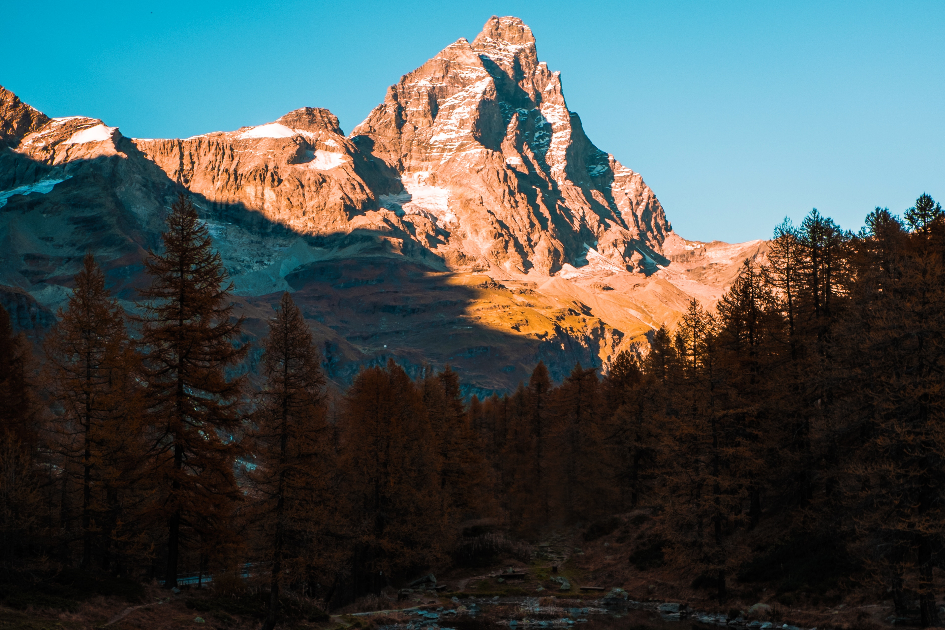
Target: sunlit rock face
pixel 17 119
pixel 299 170
pixel 490 153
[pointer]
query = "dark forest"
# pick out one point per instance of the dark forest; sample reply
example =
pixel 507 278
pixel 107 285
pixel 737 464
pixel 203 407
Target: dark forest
pixel 805 414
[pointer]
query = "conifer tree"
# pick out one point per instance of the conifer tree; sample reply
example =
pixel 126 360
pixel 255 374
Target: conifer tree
pixel 579 446
pixel 622 380
pixel 530 448
pixel 392 487
pixel 784 269
pixel 629 396
pixel 21 499
pixel 515 464
pixel 462 467
pixel 924 214
pixel 18 409
pixel 291 445
pixel 539 394
pixel 93 368
pixel 189 339
pixel 705 491
pixel 897 366
pixel 749 329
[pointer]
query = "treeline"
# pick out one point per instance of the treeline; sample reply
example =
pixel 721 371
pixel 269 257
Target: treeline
pixel 808 405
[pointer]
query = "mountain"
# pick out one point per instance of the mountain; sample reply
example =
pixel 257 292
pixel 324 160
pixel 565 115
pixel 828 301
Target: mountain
pixel 468 220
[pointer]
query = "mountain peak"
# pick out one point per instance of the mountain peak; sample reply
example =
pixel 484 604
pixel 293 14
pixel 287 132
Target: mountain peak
pixel 312 119
pixel 508 29
pixel 17 119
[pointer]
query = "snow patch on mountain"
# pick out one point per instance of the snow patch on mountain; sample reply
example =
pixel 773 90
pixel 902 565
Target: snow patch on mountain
pixel 270 130
pixel 98 133
pixel 422 199
pixel 324 160
pixel 43 187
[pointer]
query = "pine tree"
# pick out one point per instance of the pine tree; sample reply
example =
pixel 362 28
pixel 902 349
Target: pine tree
pixel 292 451
pixel 189 339
pixel 93 369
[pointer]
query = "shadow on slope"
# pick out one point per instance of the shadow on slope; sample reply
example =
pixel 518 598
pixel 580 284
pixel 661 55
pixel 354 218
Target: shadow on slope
pixel 369 295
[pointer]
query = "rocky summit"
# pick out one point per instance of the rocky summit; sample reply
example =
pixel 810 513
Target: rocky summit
pixel 467 221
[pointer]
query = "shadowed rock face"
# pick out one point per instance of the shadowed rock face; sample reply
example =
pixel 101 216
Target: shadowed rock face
pixel 467 221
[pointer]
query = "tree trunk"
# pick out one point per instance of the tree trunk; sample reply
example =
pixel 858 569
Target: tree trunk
pixel 173 528
pixel 280 508
pixel 87 500
pixel 928 613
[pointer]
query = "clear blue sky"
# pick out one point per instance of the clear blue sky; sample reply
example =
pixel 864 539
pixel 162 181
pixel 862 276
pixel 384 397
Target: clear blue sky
pixel 736 113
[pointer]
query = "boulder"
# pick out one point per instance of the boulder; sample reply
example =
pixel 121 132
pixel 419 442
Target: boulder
pixel 672 610
pixel 616 599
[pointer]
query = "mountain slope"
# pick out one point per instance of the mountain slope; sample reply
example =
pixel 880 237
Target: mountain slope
pixel 468 220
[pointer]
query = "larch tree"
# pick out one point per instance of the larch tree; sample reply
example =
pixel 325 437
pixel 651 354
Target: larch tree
pixel 898 367
pixel 18 408
pixel 529 445
pixel 189 337
pixel 579 446
pixel 515 462
pixel 749 328
pixel 392 492
pixel 21 496
pixel 539 411
pixel 462 467
pixel 292 452
pixel 704 490
pixel 631 426
pixel 93 369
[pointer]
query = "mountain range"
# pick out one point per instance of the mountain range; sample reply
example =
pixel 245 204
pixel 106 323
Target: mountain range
pixel 468 221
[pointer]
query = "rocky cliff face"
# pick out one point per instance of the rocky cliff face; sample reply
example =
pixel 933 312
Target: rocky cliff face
pixel 489 152
pixel 300 171
pixel 17 119
pixel 467 221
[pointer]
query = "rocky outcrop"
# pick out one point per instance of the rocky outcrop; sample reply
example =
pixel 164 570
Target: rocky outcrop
pixel 300 171
pixel 17 119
